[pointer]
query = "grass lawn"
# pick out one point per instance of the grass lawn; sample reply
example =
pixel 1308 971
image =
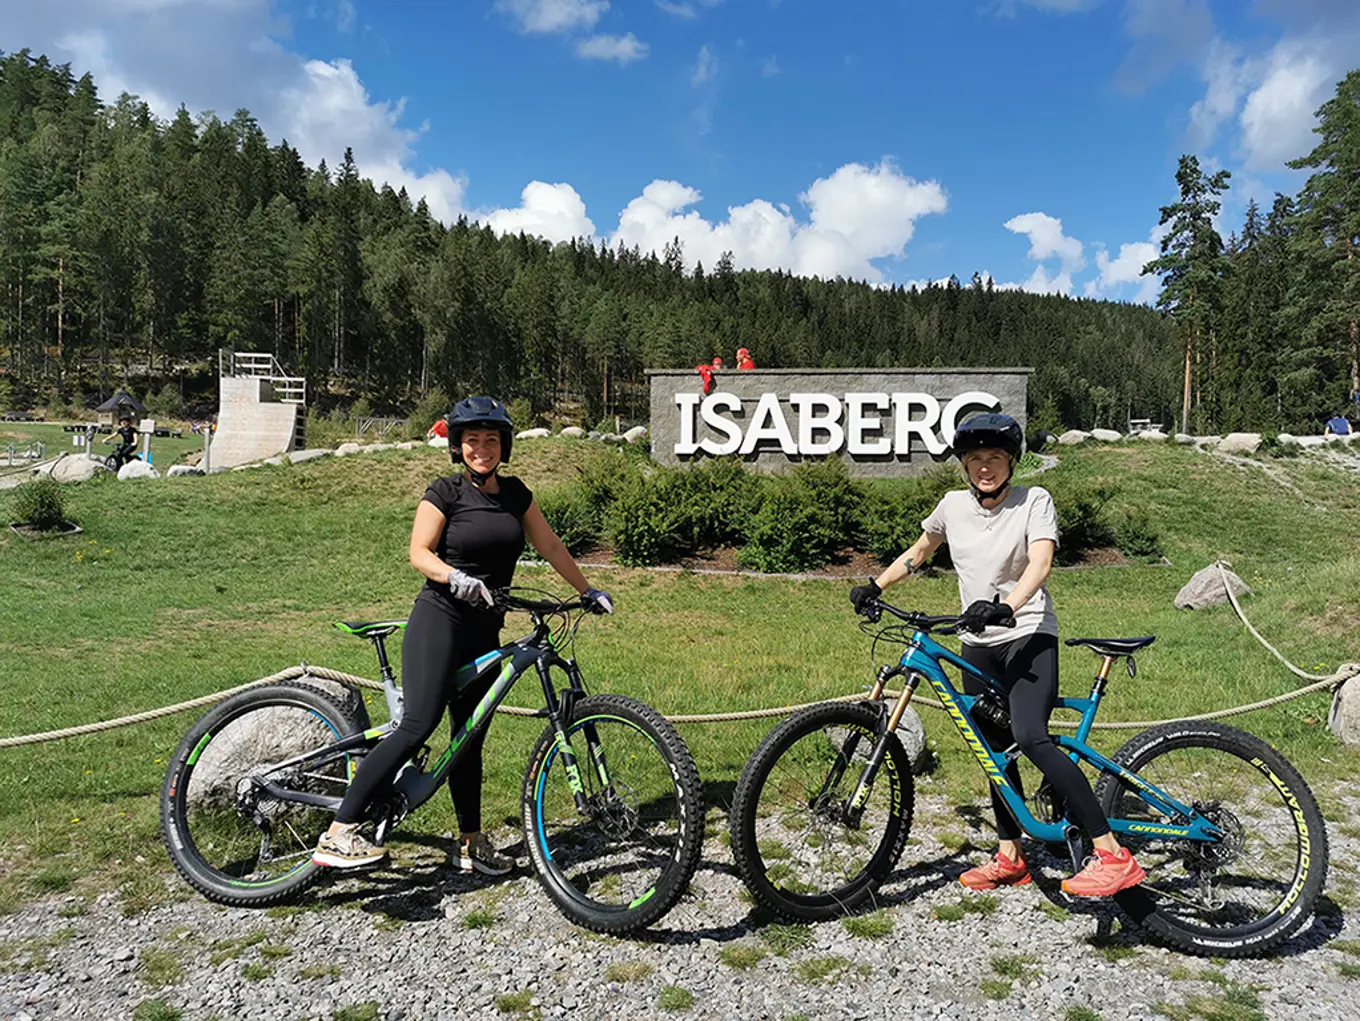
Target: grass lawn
pixel 165 451
pixel 186 586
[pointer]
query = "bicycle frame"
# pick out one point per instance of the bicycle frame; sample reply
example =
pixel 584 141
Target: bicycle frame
pixel 413 786
pixel 922 660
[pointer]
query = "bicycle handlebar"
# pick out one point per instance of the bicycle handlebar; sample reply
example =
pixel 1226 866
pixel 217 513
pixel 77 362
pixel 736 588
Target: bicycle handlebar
pixel 946 624
pixel 506 601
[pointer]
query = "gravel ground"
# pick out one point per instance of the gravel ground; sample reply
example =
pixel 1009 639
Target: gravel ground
pixel 397 944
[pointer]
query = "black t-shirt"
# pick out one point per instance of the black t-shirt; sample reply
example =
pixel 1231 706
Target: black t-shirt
pixel 483 532
pixel 128 434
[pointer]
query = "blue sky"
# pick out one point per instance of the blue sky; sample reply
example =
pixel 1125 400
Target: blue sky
pixel 887 140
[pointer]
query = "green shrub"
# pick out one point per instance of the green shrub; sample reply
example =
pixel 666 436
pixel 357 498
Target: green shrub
pixel 571 516
pixel 6 394
pixel 893 514
pixel 644 521
pixel 40 503
pixel 1083 520
pixel 601 479
pixel 522 414
pixel 361 408
pixel 428 410
pixel 165 405
pixel 1136 534
pixel 804 518
pixel 717 499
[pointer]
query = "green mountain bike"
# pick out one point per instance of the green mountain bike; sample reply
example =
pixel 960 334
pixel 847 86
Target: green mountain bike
pixel 611 799
pixel 1230 835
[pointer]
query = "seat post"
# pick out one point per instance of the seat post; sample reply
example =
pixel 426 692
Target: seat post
pixel 383 665
pixel 1098 688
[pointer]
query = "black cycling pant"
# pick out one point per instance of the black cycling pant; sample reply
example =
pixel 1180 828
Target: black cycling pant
pixel 1028 670
pixel 436 644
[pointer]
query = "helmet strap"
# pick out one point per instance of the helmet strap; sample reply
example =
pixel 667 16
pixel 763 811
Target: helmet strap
pixel 480 478
pixel 999 493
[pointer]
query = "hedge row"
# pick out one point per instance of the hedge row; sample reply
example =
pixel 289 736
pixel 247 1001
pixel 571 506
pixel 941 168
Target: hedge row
pixel 800 520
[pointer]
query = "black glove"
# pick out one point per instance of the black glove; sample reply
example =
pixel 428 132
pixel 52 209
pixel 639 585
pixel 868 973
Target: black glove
pixel 862 595
pixel 981 614
pixel 597 601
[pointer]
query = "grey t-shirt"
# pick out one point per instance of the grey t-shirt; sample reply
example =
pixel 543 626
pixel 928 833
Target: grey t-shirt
pixel 990 550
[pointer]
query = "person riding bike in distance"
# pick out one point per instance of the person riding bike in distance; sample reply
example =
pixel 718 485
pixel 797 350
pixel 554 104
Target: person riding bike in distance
pixel 1002 539
pixel 468 535
pixel 127 441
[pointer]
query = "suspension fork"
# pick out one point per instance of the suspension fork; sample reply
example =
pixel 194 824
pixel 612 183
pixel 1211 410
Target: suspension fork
pixel 559 720
pixel 854 809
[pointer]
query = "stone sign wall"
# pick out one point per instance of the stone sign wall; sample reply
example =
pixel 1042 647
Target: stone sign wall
pixel 882 422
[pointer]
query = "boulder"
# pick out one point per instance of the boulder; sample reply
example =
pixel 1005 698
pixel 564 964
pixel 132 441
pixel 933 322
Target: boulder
pixel 407 445
pixel 1240 443
pixel 438 441
pixel 575 432
pixel 533 434
pixel 1209 442
pixel 374 448
pixel 1310 441
pixel 298 456
pixel 1344 717
pixel 594 435
pixel 1205 588
pixel 75 469
pixel 911 733
pixel 1287 439
pixel 1105 435
pixel 346 449
pixel 268 735
pixel 177 470
pixel 137 470
pixel 1184 439
pixel 611 438
pixel 635 434
pixel 273 462
pixel 1073 437
pixel 1153 435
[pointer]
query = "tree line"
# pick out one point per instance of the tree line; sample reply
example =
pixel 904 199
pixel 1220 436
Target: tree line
pixel 133 249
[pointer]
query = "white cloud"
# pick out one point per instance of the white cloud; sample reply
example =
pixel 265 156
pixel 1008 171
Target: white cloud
pixel 856 215
pixel 345 15
pixel 705 68
pixel 1124 269
pixel 550 17
pixel 1227 75
pixel 1277 120
pixel 623 49
pixel 330 109
pixel 680 10
pixel 770 67
pixel 552 211
pixel 1047 239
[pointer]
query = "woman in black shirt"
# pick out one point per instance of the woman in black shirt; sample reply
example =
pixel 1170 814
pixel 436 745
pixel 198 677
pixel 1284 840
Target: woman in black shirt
pixel 468 535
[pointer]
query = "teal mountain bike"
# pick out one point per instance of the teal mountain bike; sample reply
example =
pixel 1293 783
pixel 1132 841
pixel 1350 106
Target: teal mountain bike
pixel 611 800
pixel 1230 835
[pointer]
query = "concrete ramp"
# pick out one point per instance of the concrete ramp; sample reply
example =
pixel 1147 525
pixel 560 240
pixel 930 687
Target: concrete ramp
pixel 253 423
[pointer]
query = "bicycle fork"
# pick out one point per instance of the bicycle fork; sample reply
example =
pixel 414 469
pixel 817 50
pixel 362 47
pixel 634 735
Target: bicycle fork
pixel 560 709
pixel 854 808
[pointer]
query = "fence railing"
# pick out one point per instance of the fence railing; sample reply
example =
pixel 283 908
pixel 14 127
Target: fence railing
pixel 262 365
pixel 381 426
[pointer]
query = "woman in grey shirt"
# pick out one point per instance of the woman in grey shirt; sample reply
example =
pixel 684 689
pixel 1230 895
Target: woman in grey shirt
pixel 1002 539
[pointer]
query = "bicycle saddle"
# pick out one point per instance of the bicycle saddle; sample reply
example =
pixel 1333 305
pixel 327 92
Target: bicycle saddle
pixel 1114 646
pixel 375 629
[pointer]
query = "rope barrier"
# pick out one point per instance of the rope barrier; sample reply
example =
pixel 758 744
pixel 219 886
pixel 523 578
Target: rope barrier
pixel 1321 682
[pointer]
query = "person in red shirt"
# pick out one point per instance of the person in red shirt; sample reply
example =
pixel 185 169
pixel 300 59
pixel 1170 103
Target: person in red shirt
pixel 440 428
pixel 744 360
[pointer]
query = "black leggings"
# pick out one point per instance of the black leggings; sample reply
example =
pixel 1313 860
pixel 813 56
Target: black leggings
pixel 1028 669
pixel 436 644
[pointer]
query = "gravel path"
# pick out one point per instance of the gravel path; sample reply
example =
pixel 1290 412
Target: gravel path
pixel 397 945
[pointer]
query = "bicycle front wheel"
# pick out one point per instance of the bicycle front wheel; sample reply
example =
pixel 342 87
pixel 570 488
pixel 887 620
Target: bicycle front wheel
pixel 620 858
pixel 803 851
pixel 1250 891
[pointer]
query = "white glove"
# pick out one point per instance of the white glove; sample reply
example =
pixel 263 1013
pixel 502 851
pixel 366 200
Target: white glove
pixel 467 588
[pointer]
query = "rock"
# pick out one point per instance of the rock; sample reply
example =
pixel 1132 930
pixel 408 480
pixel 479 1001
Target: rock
pixel 911 733
pixel 533 434
pixel 1073 437
pixel 635 434
pixel 1106 435
pixel 1240 443
pixel 1209 442
pixel 1310 441
pixel 407 445
pixel 298 456
pixel 594 435
pixel 611 438
pixel 1184 439
pixel 75 468
pixel 438 441
pixel 1206 589
pixel 1344 718
pixel 1153 435
pixel 574 431
pixel 273 461
pixel 376 447
pixel 137 470
pixel 1287 439
pixel 177 470
pixel 345 449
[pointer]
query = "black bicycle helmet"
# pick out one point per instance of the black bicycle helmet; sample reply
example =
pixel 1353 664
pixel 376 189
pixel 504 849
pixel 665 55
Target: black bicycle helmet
pixel 479 413
pixel 989 430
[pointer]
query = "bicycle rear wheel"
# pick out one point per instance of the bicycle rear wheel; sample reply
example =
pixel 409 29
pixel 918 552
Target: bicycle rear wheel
pixel 624 863
pixel 229 839
pixel 800 850
pixel 1249 892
